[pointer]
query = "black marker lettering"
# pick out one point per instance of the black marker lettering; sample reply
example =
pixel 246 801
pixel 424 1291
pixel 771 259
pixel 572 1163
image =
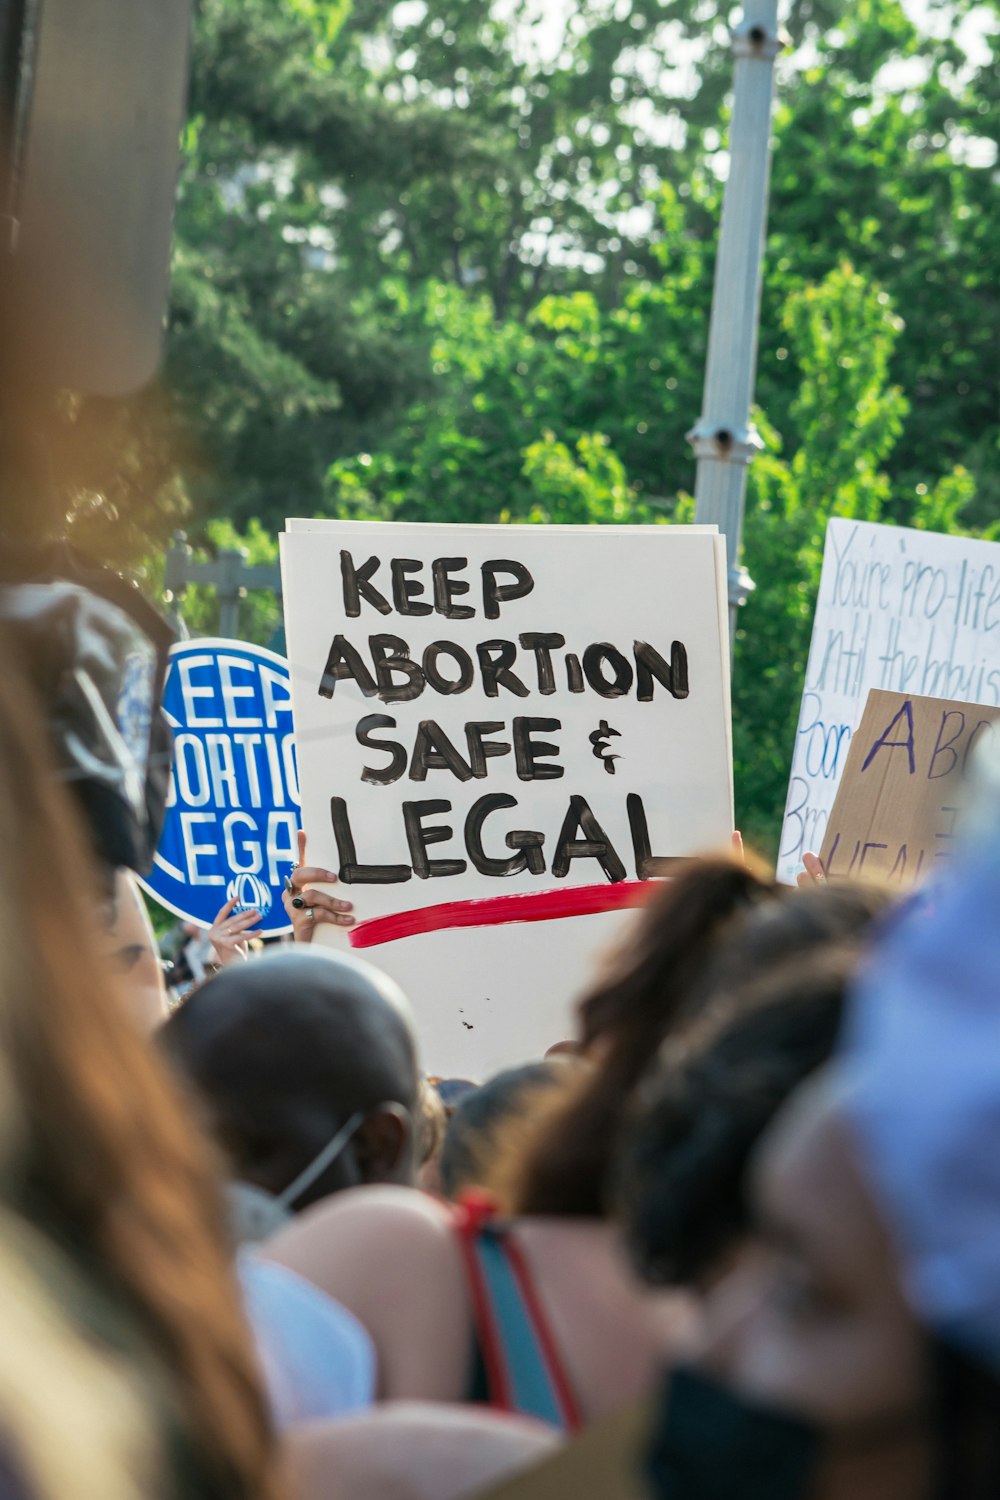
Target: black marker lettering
pixel 481 750
pixel 356 583
pixel 543 645
pixel 446 588
pixel 406 591
pixel 649 664
pixel 351 873
pixel 418 837
pixel 646 864
pixel 529 845
pixel 397 755
pixel 495 594
pixel 574 673
pixel 342 662
pixel 594 845
pixel 440 683
pixel 495 661
pixel 527 751
pixel 434 751
pixel 391 654
pixel 594 659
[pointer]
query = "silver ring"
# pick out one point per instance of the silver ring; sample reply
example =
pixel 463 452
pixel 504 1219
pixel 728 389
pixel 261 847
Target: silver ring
pixel 309 913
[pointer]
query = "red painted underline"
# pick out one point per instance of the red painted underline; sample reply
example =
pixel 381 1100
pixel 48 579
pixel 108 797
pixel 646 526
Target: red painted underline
pixel 493 911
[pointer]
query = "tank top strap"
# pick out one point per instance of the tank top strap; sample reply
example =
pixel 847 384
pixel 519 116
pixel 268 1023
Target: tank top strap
pixel 520 1358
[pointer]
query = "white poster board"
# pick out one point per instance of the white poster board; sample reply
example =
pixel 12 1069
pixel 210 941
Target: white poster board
pixel 500 732
pixel 902 610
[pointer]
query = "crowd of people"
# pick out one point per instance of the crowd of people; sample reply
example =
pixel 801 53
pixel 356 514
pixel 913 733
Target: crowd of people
pixel 738 1237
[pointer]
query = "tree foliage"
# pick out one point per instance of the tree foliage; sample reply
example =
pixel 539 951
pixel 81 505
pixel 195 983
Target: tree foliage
pixel 452 260
pixel 849 420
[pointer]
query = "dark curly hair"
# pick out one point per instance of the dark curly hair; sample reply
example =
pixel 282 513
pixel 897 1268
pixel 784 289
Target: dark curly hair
pixel 681 1172
pixel 623 1021
pixel 702 939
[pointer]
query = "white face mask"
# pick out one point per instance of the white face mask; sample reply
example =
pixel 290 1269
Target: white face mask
pixel 255 1214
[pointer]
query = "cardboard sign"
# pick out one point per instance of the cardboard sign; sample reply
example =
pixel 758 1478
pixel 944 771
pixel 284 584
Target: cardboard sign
pixel 233 807
pixel 901 791
pixel 503 733
pixel 900 610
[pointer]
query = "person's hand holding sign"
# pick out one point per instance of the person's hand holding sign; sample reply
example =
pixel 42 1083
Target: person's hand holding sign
pixel 231 932
pixel 307 907
pixel 812 872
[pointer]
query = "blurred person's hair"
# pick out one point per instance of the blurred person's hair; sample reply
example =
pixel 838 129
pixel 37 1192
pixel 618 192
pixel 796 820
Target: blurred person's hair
pixel 680 1184
pixel 708 932
pixel 624 1019
pixel 482 1123
pixel 72 1420
pixel 95 1148
pixel 433 1123
pixel 648 975
pixel 452 1091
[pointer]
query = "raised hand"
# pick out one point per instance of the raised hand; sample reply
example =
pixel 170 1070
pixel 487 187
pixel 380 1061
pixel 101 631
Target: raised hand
pixel 314 906
pixel 230 933
pixel 812 872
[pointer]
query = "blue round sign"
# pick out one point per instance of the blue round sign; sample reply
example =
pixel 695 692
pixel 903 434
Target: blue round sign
pixel 233 807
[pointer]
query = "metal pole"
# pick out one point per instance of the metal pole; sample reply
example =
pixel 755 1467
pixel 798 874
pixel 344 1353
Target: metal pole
pixel 230 565
pixel 724 439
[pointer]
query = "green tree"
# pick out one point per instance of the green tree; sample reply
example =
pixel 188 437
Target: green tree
pixel 474 455
pixel 570 368
pixel 428 267
pixel 848 418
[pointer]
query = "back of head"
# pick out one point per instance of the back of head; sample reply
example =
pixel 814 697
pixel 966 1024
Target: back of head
pixel 713 930
pixel 484 1121
pixel 806 920
pixel 640 998
pixel 680 1177
pixel 287 1050
pixel 663 953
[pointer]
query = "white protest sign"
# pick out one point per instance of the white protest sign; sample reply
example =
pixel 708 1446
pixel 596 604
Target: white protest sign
pixel 901 610
pixel 501 733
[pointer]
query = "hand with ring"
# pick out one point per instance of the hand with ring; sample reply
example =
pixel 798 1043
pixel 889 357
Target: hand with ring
pixel 812 872
pixel 307 907
pixel 230 933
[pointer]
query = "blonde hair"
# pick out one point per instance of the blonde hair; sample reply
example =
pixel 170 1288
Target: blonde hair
pixel 93 1131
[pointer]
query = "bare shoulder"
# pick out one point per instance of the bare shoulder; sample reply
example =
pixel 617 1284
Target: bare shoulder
pixel 411 1451
pixel 384 1204
pixel 368 1232
pixel 379 1220
pixel 369 1248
